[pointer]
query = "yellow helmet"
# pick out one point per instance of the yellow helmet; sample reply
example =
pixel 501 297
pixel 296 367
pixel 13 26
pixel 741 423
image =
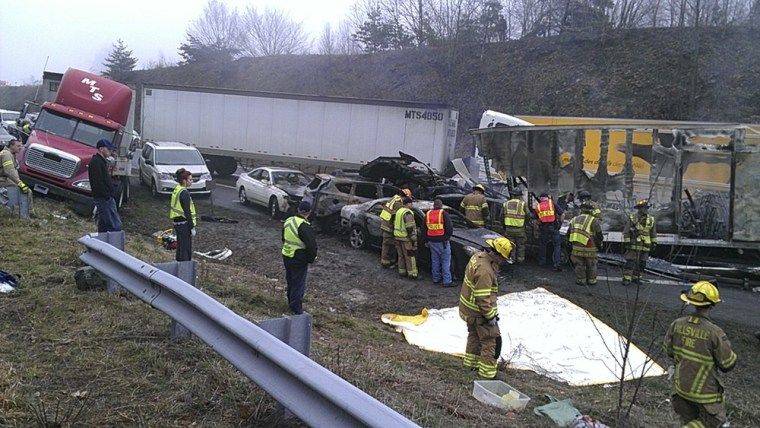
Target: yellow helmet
pixel 480 187
pixel 407 192
pixel 502 246
pixel 702 293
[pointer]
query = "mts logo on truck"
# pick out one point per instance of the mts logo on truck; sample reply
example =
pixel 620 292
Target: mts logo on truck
pixel 425 115
pixel 97 96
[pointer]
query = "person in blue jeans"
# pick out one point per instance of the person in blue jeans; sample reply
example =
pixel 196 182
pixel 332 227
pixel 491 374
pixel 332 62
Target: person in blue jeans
pixel 550 217
pixel 102 188
pixel 437 233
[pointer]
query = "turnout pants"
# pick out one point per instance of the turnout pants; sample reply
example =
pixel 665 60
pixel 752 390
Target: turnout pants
pixel 481 353
pixel 695 415
pixel 388 251
pixel 184 241
pixel 517 236
pixel 407 258
pixel 586 263
pixel 295 275
pixel 635 263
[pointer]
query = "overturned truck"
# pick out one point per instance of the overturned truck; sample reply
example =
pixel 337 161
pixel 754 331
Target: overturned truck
pixel 702 180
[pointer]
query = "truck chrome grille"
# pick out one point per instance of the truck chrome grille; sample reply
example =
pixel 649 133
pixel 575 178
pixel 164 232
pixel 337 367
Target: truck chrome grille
pixel 51 161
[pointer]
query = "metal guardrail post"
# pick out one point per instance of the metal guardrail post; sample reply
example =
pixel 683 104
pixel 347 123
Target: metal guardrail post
pixel 185 271
pixel 314 394
pixel 117 240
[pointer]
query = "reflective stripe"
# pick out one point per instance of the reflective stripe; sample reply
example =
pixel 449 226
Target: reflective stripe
pixel 434 222
pixel 7 163
pixel 400 227
pixel 514 213
pixel 175 207
pixel 292 241
pixel 643 239
pixel 390 208
pixel 580 229
pixel 545 211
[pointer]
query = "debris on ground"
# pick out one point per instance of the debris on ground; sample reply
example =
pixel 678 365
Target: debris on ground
pixel 8 282
pixel 166 238
pixel 215 254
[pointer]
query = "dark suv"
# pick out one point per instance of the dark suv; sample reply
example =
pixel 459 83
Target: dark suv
pixel 329 193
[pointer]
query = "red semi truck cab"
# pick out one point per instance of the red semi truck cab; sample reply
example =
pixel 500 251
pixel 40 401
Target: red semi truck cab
pixel 87 108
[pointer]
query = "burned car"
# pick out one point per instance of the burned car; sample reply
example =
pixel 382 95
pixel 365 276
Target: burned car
pixel 278 189
pixel 329 193
pixel 363 222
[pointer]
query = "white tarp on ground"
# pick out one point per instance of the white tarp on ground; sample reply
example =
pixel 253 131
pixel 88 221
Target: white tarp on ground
pixel 542 332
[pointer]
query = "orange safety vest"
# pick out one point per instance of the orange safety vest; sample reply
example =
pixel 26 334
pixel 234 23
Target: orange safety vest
pixel 545 211
pixel 434 222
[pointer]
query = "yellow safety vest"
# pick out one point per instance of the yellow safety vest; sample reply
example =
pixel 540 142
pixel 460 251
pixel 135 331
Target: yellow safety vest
pixel 399 226
pixel 389 208
pixel 514 213
pixel 175 208
pixel 580 229
pixel 643 231
pixel 292 242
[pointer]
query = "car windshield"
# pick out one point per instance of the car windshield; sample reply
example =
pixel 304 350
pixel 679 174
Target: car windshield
pixel 73 129
pixel 9 117
pixel 290 178
pixel 179 157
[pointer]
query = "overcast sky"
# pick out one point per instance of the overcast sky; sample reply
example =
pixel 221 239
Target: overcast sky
pixel 81 33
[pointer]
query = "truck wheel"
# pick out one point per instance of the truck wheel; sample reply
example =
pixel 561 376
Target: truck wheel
pixel 225 165
pixel 274 208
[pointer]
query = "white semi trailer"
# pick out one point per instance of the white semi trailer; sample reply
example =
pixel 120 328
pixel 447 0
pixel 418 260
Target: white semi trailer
pixel 231 125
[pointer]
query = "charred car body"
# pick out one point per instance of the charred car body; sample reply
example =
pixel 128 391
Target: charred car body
pixel 363 222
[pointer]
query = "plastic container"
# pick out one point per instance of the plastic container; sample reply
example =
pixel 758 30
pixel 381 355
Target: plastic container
pixel 499 394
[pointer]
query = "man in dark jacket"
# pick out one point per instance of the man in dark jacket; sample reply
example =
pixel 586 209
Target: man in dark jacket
pixel 438 231
pixel 102 188
pixel 299 249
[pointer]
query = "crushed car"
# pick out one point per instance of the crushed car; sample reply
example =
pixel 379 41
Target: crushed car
pixel 328 194
pixel 278 189
pixel 363 222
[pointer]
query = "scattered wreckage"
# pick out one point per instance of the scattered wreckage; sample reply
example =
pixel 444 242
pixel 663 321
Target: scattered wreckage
pixel 699 179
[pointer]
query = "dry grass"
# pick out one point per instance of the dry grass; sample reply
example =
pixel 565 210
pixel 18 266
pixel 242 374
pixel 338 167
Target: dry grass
pixel 74 358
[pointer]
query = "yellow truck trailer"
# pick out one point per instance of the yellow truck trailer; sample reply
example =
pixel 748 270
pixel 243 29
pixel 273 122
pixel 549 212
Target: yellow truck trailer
pixel 702 178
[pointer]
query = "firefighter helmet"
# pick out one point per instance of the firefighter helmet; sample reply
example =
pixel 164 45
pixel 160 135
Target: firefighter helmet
pixel 702 293
pixel 587 206
pixel 516 192
pixel 503 246
pixel 407 192
pixel 643 203
pixel 584 194
pixel 480 187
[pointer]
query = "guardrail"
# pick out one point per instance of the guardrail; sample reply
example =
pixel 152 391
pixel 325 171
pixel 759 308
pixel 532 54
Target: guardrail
pixel 314 394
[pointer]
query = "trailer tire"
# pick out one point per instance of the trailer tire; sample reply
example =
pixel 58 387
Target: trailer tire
pixel 225 165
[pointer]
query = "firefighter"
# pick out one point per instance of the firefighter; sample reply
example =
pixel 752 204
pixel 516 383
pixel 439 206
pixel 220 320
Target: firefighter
pixel 299 249
pixel 585 235
pixel 701 351
pixel 515 215
pixel 639 238
pixel 477 307
pixel 18 192
pixel 585 197
pixel 475 206
pixel 388 251
pixel 182 213
pixel 550 217
pixel 405 234
pixel 438 231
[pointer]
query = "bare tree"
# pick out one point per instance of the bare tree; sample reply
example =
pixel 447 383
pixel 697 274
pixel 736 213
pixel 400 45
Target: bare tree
pixel 272 33
pixel 218 26
pixel 338 41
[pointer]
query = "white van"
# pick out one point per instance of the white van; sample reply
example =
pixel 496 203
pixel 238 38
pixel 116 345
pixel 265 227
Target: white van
pixel 160 160
pixel 8 117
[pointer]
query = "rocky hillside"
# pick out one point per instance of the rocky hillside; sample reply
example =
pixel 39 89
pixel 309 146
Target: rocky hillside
pixel 694 74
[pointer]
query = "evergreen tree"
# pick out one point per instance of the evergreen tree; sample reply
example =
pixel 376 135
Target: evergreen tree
pixel 119 63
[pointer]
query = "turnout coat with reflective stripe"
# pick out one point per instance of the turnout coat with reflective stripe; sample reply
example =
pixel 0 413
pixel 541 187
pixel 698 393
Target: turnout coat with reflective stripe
pixel 478 294
pixel 701 351
pixel 514 213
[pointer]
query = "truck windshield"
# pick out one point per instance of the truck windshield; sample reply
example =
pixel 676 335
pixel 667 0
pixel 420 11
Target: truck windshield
pixel 68 127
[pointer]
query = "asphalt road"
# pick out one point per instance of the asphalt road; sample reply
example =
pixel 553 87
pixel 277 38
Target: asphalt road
pixel 737 306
